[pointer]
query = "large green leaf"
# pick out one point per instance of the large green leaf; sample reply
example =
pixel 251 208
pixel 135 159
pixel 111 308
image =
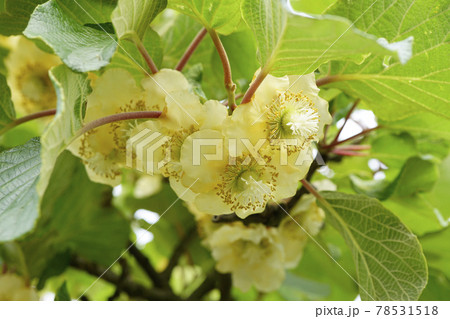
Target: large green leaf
pixel 392 90
pixel 294 43
pixel 223 16
pixel 14 15
pixel 388 257
pixel 72 90
pixel 19 172
pixel 308 6
pixel 132 17
pixel 82 48
pixel 76 215
pixel 7 113
pixel 435 247
pixel 88 11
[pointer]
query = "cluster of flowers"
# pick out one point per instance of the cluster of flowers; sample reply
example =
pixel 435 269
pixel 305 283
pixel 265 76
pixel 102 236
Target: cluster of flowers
pixel 257 255
pixel 219 163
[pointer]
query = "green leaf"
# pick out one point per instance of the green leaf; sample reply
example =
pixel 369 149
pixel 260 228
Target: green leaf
pixel 388 257
pixel 396 91
pixel 76 215
pixel 417 175
pixel 7 113
pixel 19 173
pixel 14 15
pixel 380 189
pixel 88 11
pixel 132 17
pixel 297 288
pixel 308 6
pixel 438 198
pixel 293 43
pixel 224 16
pixel 62 294
pixel 415 212
pixel 317 266
pixel 128 57
pixel 421 123
pixel 3 54
pixel 80 47
pixel 435 248
pixel 438 287
pixel 72 90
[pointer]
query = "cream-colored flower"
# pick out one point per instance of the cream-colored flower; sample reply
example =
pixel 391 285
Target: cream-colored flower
pixel 252 254
pixel 183 116
pixel 306 219
pixel 243 183
pixel 27 67
pixel 14 288
pixel 286 108
pixel 104 149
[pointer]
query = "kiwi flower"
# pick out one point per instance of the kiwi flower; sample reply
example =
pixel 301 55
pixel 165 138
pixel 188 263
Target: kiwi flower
pixel 103 149
pixel 252 254
pixel 27 74
pixel 306 219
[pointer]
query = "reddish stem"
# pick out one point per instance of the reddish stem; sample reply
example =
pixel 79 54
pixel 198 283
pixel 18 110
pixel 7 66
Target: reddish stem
pixel 355 147
pixel 228 80
pixel 344 152
pixel 190 50
pixel 347 116
pixel 148 59
pixel 254 86
pixel 364 132
pixel 116 118
pixel 328 79
pixel 27 119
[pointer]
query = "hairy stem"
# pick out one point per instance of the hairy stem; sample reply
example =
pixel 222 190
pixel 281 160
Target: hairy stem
pixel 190 50
pixel 254 86
pixel 27 118
pixel 228 80
pixel 116 118
pixel 131 288
pixel 148 59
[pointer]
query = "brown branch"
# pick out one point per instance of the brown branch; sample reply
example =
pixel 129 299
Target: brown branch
pixel 179 251
pixel 190 50
pixel 206 286
pixel 123 276
pixel 228 79
pixel 131 288
pixel 145 264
